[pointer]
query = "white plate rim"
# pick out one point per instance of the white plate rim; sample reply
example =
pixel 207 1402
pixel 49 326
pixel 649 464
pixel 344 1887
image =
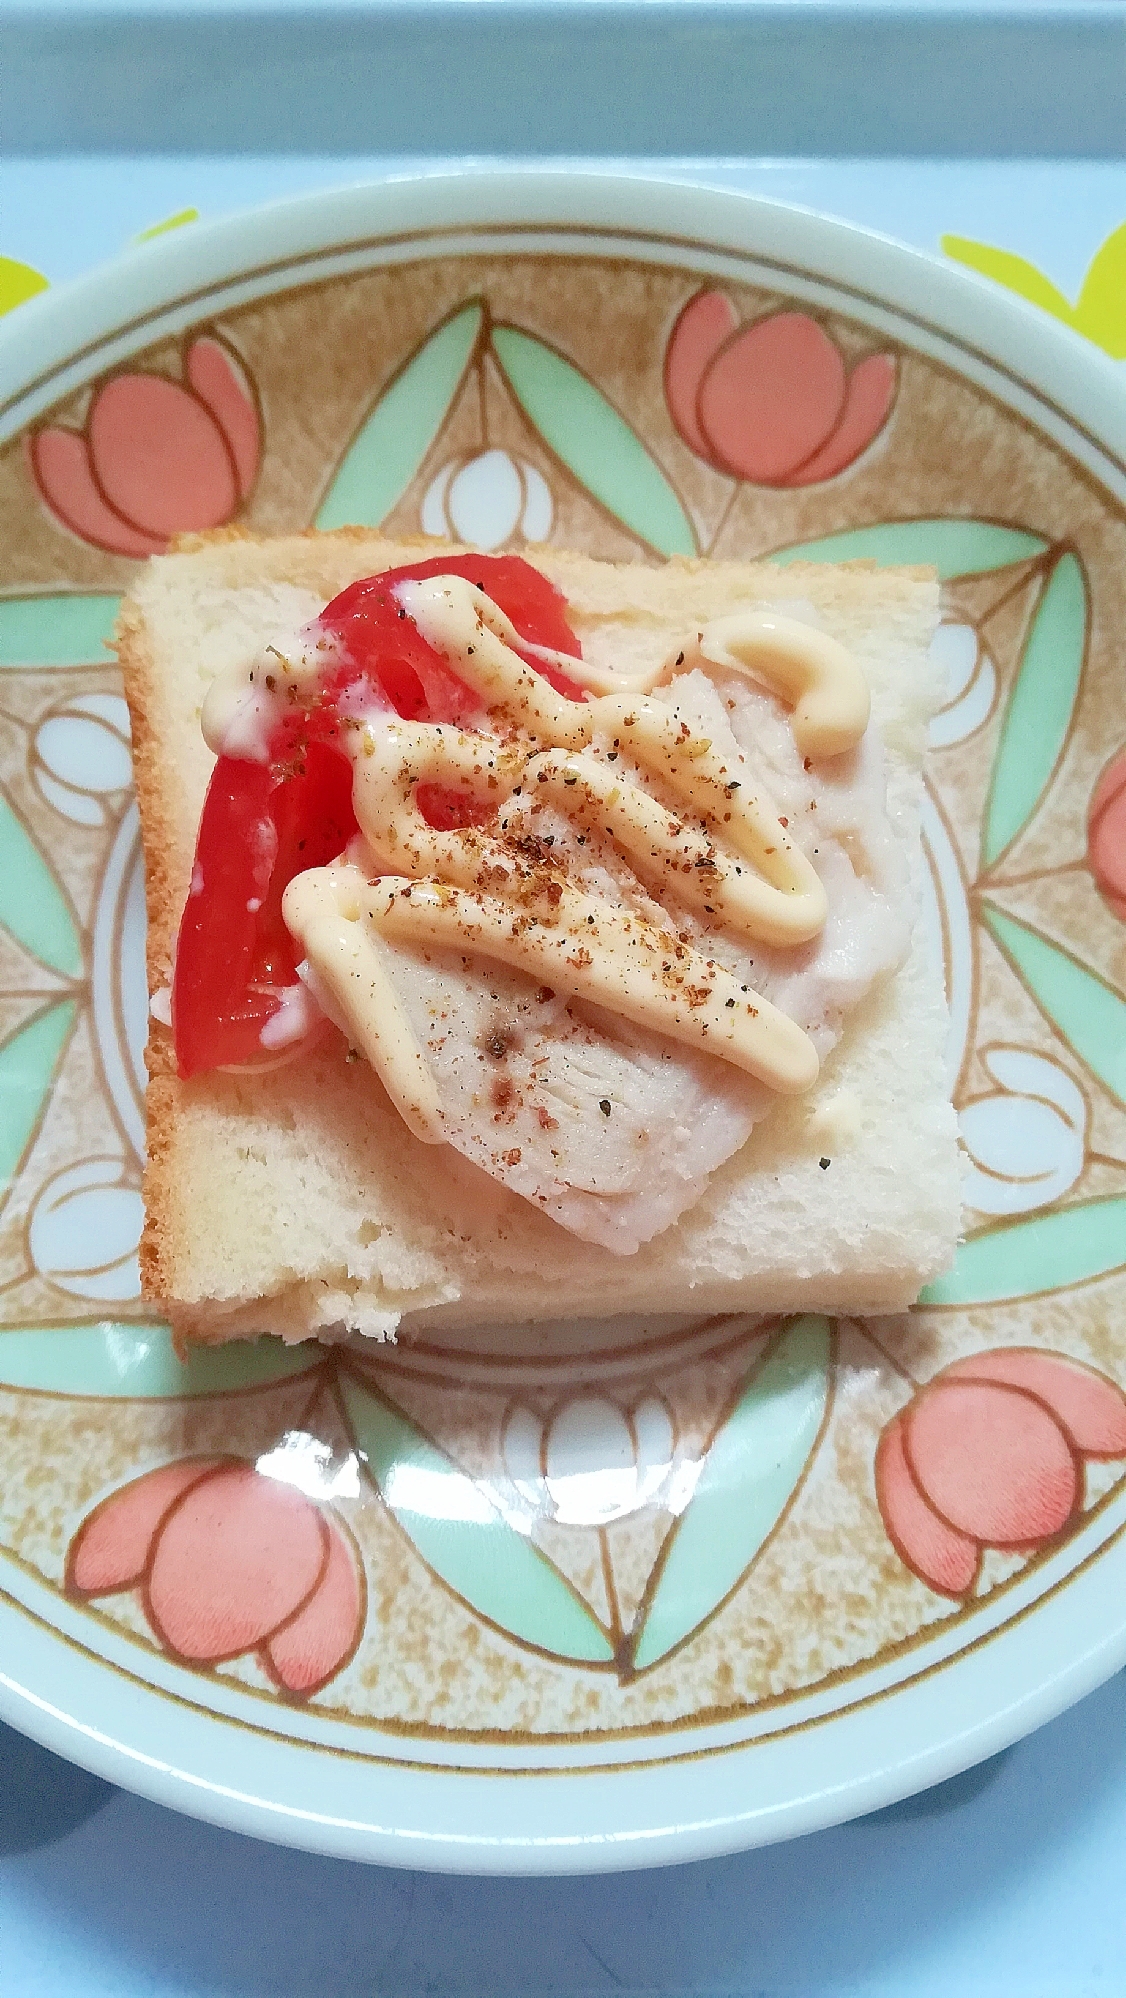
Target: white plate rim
pixel 845 1765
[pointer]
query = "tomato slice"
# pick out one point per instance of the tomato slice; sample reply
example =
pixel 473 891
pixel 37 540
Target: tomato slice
pixel 234 954
pixel 381 640
pixel 262 824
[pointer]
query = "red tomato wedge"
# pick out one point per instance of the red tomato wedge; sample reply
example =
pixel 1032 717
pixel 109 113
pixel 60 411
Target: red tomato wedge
pixel 234 955
pixel 381 640
pixel 264 823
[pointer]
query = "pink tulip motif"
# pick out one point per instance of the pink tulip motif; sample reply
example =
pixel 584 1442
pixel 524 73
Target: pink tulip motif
pixel 773 401
pixel 1106 834
pixel 990 1454
pixel 156 457
pixel 229 1561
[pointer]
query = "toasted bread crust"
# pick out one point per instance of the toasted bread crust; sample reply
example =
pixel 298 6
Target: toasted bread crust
pixel 163 896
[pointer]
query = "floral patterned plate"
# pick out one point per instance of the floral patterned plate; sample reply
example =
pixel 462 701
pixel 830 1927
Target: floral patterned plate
pixel 647 1591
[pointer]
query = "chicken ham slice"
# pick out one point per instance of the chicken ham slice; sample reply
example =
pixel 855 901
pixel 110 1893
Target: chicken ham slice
pixel 609 1128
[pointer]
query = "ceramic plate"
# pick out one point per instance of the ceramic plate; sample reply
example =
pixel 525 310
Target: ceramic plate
pixel 646 1592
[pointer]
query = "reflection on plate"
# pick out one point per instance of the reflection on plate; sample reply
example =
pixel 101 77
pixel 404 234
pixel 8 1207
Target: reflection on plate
pixel 643 1591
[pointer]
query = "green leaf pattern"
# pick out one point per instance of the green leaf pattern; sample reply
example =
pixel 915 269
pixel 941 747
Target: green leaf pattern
pixel 56 630
pixel 952 547
pixel 1040 707
pixel 1043 1252
pixel 595 443
pixel 1088 1012
pixel 462 1536
pixel 29 1059
pixel 386 453
pixel 140 1362
pixel 747 1479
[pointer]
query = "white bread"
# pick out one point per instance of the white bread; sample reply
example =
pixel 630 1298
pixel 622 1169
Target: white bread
pixel 296 1202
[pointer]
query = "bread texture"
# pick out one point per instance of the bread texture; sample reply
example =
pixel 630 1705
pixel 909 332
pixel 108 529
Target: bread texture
pixel 296 1202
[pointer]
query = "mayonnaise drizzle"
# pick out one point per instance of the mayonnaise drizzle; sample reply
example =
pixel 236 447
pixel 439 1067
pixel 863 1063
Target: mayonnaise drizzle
pixel 243 705
pixel 571 939
pixel 811 672
pixel 324 907
pixel 726 854
pixel 463 625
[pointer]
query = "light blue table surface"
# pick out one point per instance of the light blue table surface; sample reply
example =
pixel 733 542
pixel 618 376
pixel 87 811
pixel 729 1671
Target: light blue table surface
pixel 1010 1880
pixel 1006 1883
pixel 944 78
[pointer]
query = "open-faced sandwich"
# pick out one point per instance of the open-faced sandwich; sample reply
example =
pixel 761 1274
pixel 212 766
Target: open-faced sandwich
pixel 533 936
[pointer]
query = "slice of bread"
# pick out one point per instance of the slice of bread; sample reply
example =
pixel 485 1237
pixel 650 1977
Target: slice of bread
pixel 296 1202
